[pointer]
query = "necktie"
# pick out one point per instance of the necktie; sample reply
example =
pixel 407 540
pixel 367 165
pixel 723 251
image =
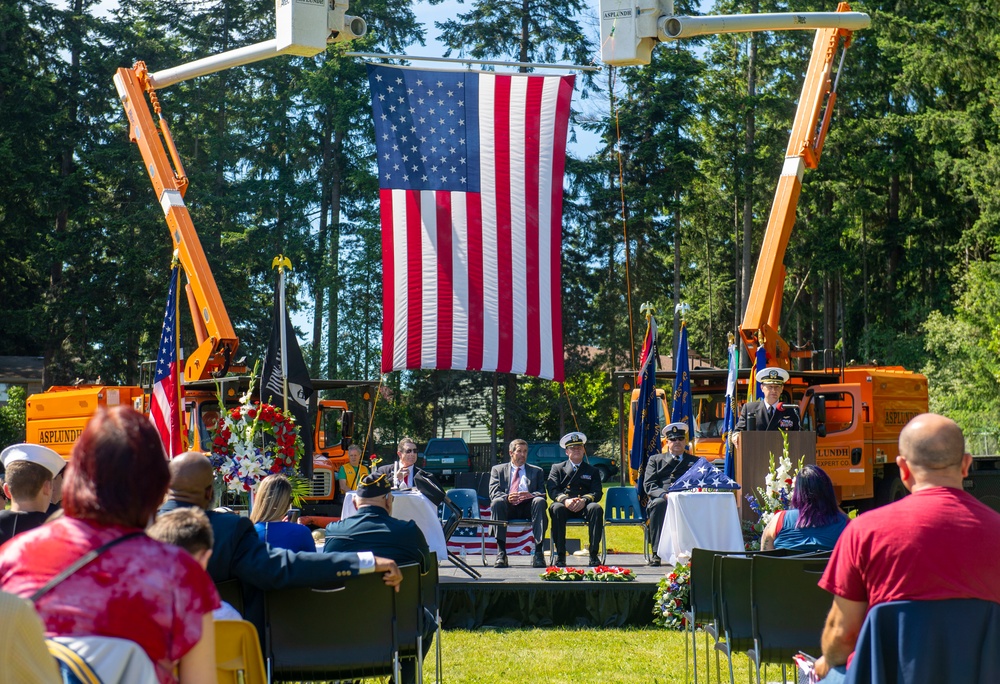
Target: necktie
pixel 770 413
pixel 515 482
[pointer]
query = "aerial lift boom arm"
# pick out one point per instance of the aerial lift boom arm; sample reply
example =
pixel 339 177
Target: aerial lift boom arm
pixel 302 29
pixel 805 145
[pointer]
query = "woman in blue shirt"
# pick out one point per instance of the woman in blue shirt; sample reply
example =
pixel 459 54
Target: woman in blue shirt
pixel 270 509
pixel 813 522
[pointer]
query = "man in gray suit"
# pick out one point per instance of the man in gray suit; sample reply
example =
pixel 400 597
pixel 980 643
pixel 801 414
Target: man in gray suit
pixel 517 490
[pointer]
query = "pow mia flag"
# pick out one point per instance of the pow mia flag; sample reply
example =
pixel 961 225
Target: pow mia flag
pixel 299 386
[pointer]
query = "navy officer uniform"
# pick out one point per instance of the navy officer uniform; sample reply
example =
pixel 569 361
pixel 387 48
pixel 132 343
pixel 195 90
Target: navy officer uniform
pixel 568 481
pixel 662 470
pixel 769 413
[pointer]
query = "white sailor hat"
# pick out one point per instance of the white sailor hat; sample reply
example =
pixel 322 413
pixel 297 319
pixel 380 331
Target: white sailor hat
pixel 773 376
pixel 573 439
pixel 675 431
pixel 35 453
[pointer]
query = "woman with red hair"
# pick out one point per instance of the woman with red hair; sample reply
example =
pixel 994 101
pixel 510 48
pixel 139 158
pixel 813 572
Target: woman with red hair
pixel 153 594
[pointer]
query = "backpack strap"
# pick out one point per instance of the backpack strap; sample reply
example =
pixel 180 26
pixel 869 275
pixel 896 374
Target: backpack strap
pixel 81 562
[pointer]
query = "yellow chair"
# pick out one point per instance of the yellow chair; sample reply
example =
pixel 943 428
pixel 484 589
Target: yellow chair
pixel 237 653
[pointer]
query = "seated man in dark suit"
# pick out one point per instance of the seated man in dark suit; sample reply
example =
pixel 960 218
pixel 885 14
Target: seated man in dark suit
pixel 517 490
pixel 238 553
pixel 575 488
pixel 374 529
pixel 402 471
pixel 662 470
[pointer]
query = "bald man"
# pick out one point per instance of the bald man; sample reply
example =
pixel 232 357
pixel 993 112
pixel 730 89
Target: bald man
pixel 238 553
pixel 938 543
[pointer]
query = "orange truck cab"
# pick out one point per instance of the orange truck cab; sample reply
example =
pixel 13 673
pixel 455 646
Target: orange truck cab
pixel 857 413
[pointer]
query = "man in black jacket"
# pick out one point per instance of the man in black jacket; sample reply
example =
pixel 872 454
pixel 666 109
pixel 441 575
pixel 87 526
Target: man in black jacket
pixel 401 473
pixel 769 413
pixel 662 470
pixel 238 553
pixel 517 490
pixel 575 488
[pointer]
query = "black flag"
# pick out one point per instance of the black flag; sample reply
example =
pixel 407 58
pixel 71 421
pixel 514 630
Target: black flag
pixel 299 386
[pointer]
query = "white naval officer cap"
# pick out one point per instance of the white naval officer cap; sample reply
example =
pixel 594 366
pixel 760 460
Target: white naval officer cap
pixel 677 430
pixel 773 376
pixel 572 439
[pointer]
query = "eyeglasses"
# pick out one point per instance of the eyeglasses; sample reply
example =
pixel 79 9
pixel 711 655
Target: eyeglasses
pixel 409 451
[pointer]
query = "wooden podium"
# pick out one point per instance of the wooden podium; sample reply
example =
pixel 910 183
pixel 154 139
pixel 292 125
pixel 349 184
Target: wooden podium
pixel 753 460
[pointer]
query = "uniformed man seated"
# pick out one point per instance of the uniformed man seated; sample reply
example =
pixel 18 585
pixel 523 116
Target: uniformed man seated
pixel 662 470
pixel 769 413
pixel 575 488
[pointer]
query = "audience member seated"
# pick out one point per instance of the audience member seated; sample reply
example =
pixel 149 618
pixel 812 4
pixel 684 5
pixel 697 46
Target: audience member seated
pixel 662 470
pixel 938 543
pixel 238 553
pixel 270 509
pixel 135 588
pixel 402 471
pixel 189 529
pixel 517 490
pixel 24 658
pixel 29 471
pixel 351 473
pixel 814 522
pixel 374 529
pixel 575 488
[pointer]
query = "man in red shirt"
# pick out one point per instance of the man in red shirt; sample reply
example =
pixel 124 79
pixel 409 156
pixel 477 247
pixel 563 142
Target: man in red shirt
pixel 938 543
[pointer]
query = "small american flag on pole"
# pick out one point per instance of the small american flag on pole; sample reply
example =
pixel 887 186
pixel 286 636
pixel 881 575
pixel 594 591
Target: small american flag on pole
pixel 163 404
pixel 470 176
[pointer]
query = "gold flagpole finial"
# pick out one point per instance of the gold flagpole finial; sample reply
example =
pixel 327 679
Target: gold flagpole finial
pixel 731 338
pixel 281 262
pixel 648 309
pixel 176 258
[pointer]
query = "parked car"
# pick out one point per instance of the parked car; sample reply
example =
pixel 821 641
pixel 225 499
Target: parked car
pixel 443 457
pixel 546 454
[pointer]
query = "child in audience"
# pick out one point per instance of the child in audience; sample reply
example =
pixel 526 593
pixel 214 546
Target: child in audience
pixel 190 529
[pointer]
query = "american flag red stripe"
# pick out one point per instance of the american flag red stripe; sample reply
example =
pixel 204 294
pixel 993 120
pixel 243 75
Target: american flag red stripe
pixel 470 169
pixel 520 539
pixel 163 404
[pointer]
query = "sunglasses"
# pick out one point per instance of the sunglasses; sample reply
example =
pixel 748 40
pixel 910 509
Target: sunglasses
pixel 676 439
pixel 409 451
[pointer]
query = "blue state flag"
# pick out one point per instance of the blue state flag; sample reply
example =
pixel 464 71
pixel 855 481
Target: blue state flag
pixel 682 410
pixel 729 422
pixel 759 367
pixel 646 431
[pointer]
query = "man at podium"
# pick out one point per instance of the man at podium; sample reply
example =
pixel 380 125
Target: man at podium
pixel 769 413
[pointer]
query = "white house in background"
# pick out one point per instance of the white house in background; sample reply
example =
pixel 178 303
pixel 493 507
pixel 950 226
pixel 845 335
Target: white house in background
pixel 26 371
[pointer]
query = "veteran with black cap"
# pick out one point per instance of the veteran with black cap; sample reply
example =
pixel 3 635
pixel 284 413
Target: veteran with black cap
pixel 28 473
pixel 662 470
pixel 769 413
pixel 374 529
pixel 575 489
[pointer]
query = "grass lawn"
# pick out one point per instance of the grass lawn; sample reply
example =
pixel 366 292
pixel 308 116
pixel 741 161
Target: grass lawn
pixel 554 656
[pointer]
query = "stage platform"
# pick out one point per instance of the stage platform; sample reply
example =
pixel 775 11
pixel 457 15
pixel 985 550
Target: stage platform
pixel 516 597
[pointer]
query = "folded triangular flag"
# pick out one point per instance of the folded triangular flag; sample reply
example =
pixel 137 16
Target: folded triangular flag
pixel 703 475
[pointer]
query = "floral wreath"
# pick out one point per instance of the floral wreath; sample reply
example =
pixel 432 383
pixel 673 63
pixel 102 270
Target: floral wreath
pixel 610 573
pixel 673 598
pixel 253 441
pixel 557 574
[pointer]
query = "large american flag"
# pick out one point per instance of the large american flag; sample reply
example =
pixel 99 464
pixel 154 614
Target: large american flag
pixel 163 404
pixel 470 176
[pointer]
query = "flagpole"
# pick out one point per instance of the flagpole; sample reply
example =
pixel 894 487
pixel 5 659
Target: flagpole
pixel 281 262
pixel 175 263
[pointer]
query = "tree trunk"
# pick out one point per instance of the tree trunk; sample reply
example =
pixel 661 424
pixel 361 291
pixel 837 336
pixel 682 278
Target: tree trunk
pixel 333 279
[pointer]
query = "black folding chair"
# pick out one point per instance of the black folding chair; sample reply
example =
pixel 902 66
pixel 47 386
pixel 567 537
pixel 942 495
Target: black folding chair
pixel 734 590
pixel 788 608
pixel 429 487
pixel 702 611
pixel 302 623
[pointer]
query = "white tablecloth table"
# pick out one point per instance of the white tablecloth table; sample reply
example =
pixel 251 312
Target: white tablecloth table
pixel 410 505
pixel 704 520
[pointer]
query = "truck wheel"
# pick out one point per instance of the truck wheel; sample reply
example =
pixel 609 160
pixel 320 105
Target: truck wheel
pixel 603 473
pixel 890 489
